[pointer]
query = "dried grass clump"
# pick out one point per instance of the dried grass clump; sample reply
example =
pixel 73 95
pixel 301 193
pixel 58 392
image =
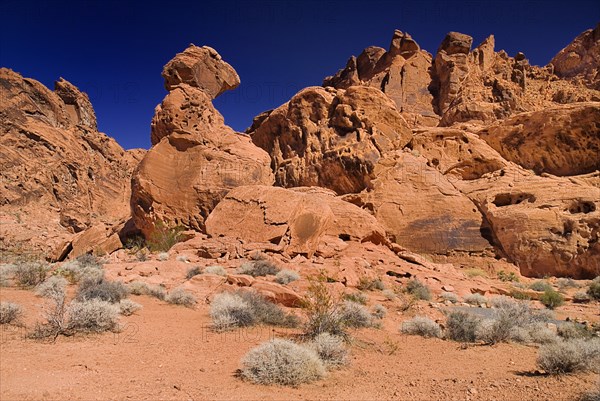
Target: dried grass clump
pixel 30 274
pixel 358 297
pixel 141 288
pixel 163 256
pixel 462 326
pixel 102 289
pixel 286 276
pixel 476 299
pixel 418 290
pixel 52 287
pixel 10 312
pixel 594 289
pixel 449 297
pixel 127 307
pixel 331 350
pixel 92 316
pixel 379 311
pixel 356 315
pixel 258 268
pixel 218 270
pixel 282 362
pixel 421 326
pixel 570 356
pixel 193 271
pixel 179 296
pixel 390 295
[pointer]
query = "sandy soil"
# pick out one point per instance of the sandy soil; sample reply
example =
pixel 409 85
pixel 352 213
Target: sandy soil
pixel 169 352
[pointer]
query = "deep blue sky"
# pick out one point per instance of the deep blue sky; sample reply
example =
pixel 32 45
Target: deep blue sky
pixel 115 50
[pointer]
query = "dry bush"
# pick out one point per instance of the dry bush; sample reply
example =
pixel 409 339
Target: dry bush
pixel 92 316
pixel 76 271
pixel 10 312
pixel 127 307
pixel 286 276
pixel 163 237
pixel 418 290
pixel 570 331
pixel 6 274
pixel 355 315
pixel 565 282
pixel 218 270
pixel 182 258
pixel 449 296
pixel 193 271
pixel 581 297
pixel 421 326
pixel 476 299
pixel 462 326
pixel 594 289
pixel 323 311
pixel 593 395
pixel 570 356
pixel 141 288
pixel 282 362
pixel 179 296
pixel 389 295
pixel 102 289
pixel 258 268
pixel 379 311
pixel 52 287
pixel 30 274
pixel 358 297
pixel 163 256
pixel 366 284
pixel 540 285
pixel 331 350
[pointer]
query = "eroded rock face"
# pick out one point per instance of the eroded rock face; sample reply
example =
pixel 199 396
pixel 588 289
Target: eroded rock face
pixel 561 141
pixel 580 59
pixel 298 219
pixel 59 175
pixel 195 158
pixel 330 138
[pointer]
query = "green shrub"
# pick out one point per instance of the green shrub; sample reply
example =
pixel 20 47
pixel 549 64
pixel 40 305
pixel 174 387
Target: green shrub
pixel 323 311
pixel 357 297
pixel 282 362
pixel 102 289
pixel 10 312
pixel 286 276
pixel 552 299
pixel 418 289
pixel 504 276
pixel 570 356
pixel 163 237
pixel 179 296
pixel 421 326
pixel 30 274
pixel 594 289
pixel 593 395
pixel 462 326
pixel 330 349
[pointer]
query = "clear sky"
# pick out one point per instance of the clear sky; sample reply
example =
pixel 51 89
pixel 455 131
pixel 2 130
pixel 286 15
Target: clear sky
pixel 115 50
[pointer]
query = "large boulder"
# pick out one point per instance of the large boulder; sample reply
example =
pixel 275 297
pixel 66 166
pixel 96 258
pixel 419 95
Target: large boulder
pixel 330 138
pixel 562 140
pixel 195 158
pixel 59 175
pixel 298 219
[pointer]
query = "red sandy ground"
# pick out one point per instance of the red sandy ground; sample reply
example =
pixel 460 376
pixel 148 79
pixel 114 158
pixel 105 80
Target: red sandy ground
pixel 168 352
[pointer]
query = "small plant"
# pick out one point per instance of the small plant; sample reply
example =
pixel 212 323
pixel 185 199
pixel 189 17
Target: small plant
pixel 593 395
pixel 76 271
pixel 539 333
pixel 141 288
pixel 163 256
pixel 89 260
pixel 51 287
pixel 520 295
pixel 474 272
pixel 540 286
pixel 570 331
pixel 102 289
pixel 594 289
pixel 282 362
pixel 30 274
pixel 357 297
pixel 193 271
pixel 366 284
pixel 449 297
pixel 9 312
pixel 564 283
pixel 462 326
pixel 421 326
pixel 379 311
pixel 179 296
pixel 183 258
pixel 127 307
pixel 389 295
pixel 504 276
pixel 218 270
pixel 418 290
pixel 258 268
pixel 163 237
pixel 330 349
pixel 570 356
pixel 6 274
pixel 581 297
pixel 286 276
pixel 356 315
pixel 476 299
pixel 92 315
pixel 323 311
pixel 552 299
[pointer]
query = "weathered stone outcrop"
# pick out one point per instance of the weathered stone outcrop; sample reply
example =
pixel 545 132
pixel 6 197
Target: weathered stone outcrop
pixel 195 158
pixel 59 175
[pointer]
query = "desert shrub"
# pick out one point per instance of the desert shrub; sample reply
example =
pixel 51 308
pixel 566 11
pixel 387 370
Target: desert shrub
pixel 462 326
pixel 449 296
pixel 476 299
pixel 179 296
pixel 570 356
pixel 30 274
pixel 323 311
pixel 286 276
pixel 594 289
pixel 330 349
pixel 55 316
pixel 581 297
pixel 357 297
pixel 593 395
pixel 163 256
pixel 76 271
pixel 504 276
pixel 540 286
pixel 102 289
pixel 565 282
pixel 51 287
pixel 366 284
pixel 141 288
pixel 244 308
pixel 9 312
pixel 389 295
pixel 520 295
pixel 127 307
pixel 379 311
pixel 258 268
pixel 474 272
pixel 539 333
pixel 570 331
pixel 93 315
pixel 6 274
pixel 552 299
pixel 218 270
pixel 282 362
pixel 193 271
pixel 163 237
pixel 183 258
pixel 417 289
pixel 355 315
pixel 421 326
pixel 89 260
